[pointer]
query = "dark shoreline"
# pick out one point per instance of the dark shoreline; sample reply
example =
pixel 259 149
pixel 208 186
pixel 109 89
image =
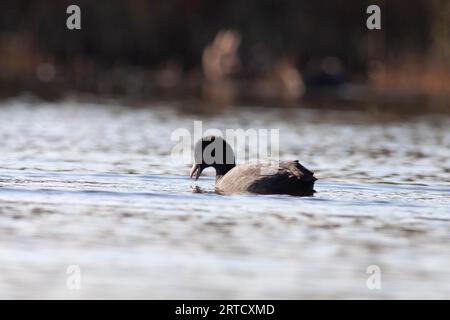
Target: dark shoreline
pixel 347 97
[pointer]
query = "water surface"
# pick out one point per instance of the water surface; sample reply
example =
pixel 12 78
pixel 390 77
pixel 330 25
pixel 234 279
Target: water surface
pixel 94 185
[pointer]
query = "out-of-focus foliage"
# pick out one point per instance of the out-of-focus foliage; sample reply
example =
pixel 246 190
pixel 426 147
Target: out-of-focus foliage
pixel 273 48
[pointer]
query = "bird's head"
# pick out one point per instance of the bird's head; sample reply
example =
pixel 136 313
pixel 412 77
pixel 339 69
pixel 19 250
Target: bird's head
pixel 212 151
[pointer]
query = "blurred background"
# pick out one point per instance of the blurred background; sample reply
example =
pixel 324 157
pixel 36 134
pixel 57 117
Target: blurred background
pixel 226 52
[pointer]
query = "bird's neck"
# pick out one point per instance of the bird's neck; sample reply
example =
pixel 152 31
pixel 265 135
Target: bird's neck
pixel 222 169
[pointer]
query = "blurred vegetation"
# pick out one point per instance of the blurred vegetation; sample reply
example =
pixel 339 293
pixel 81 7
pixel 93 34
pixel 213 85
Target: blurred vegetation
pixel 226 51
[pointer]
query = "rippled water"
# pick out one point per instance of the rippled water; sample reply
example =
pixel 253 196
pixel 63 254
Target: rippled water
pixel 94 186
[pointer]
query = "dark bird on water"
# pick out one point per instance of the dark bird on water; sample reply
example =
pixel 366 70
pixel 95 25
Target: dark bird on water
pixel 269 177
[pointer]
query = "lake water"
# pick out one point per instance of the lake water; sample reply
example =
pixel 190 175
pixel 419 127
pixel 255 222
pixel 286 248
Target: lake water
pixel 94 186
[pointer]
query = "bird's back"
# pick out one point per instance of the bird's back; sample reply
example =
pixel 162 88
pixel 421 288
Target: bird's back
pixel 284 177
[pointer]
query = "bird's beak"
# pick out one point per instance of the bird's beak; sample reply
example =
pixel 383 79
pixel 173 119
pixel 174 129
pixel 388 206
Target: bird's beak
pixel 196 170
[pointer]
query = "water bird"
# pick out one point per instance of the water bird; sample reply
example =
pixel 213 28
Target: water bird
pixel 265 177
